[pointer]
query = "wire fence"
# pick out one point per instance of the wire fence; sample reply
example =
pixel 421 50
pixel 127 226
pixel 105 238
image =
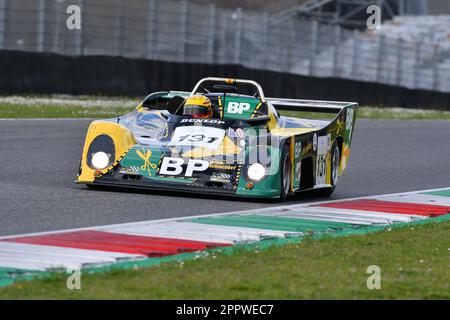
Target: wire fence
pixel 183 31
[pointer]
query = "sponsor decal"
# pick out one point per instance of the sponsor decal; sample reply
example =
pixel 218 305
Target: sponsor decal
pixel 221 165
pixel 174 166
pixel 231 133
pixel 148 165
pixel 209 121
pixel 131 170
pixel 237 107
pixel 298 158
pixel 323 147
pixel 220 177
pixel 240 133
pixel 197 136
pixel 297 163
pixel 321 169
pixel 237 135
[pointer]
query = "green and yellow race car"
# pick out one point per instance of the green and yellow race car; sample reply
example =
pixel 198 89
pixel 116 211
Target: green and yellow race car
pixel 225 137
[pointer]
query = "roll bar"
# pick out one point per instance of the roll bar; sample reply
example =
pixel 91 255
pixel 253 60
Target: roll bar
pixel 231 81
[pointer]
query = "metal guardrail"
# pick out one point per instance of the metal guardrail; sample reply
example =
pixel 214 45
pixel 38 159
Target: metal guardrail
pixel 183 31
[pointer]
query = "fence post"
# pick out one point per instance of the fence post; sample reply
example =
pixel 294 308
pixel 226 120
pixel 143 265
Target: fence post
pixel 41 26
pixel 183 29
pixel 265 44
pixel 336 43
pixel 211 32
pixel 380 58
pixel 288 61
pixel 416 65
pixel 60 14
pixel 3 15
pixel 401 7
pixel 238 38
pixel 399 73
pixel 79 34
pixel 435 68
pixel 119 28
pixel 151 29
pixel 314 45
pixel 355 56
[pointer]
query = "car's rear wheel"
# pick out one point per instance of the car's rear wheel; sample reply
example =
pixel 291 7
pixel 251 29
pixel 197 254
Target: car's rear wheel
pixel 335 162
pixel 285 173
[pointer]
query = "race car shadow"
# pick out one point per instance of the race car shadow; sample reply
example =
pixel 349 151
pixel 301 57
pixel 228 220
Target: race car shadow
pixel 307 196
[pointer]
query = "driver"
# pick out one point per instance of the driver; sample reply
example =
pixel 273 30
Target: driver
pixel 198 106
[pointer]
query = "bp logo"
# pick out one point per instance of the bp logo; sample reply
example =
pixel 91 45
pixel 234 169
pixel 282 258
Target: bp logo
pixel 237 107
pixel 171 166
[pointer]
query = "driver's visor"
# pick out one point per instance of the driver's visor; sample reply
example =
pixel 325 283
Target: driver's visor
pixel 192 110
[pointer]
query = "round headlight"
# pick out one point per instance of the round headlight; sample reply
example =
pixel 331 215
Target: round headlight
pixel 100 160
pixel 256 171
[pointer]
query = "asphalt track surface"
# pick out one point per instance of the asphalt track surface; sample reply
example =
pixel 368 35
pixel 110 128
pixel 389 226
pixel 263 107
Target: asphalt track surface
pixel 39 160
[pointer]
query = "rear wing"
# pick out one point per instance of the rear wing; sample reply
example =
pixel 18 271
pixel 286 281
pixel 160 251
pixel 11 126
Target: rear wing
pixel 310 105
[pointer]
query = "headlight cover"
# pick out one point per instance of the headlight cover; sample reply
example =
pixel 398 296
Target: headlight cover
pixel 100 160
pixel 256 171
pixel 101 153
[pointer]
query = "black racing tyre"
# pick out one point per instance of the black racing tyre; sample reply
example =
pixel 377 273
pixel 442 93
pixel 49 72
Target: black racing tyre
pixel 335 161
pixel 79 168
pixel 285 169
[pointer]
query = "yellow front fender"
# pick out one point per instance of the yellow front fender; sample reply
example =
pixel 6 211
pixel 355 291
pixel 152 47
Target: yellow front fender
pixel 123 141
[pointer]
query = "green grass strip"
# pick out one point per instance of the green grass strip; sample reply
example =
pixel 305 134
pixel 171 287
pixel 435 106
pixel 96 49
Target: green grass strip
pixel 59 111
pixel 272 223
pixel 443 193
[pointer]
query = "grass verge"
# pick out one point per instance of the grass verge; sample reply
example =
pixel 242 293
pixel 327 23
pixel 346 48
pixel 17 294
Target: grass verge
pixel 61 106
pixel 413 261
